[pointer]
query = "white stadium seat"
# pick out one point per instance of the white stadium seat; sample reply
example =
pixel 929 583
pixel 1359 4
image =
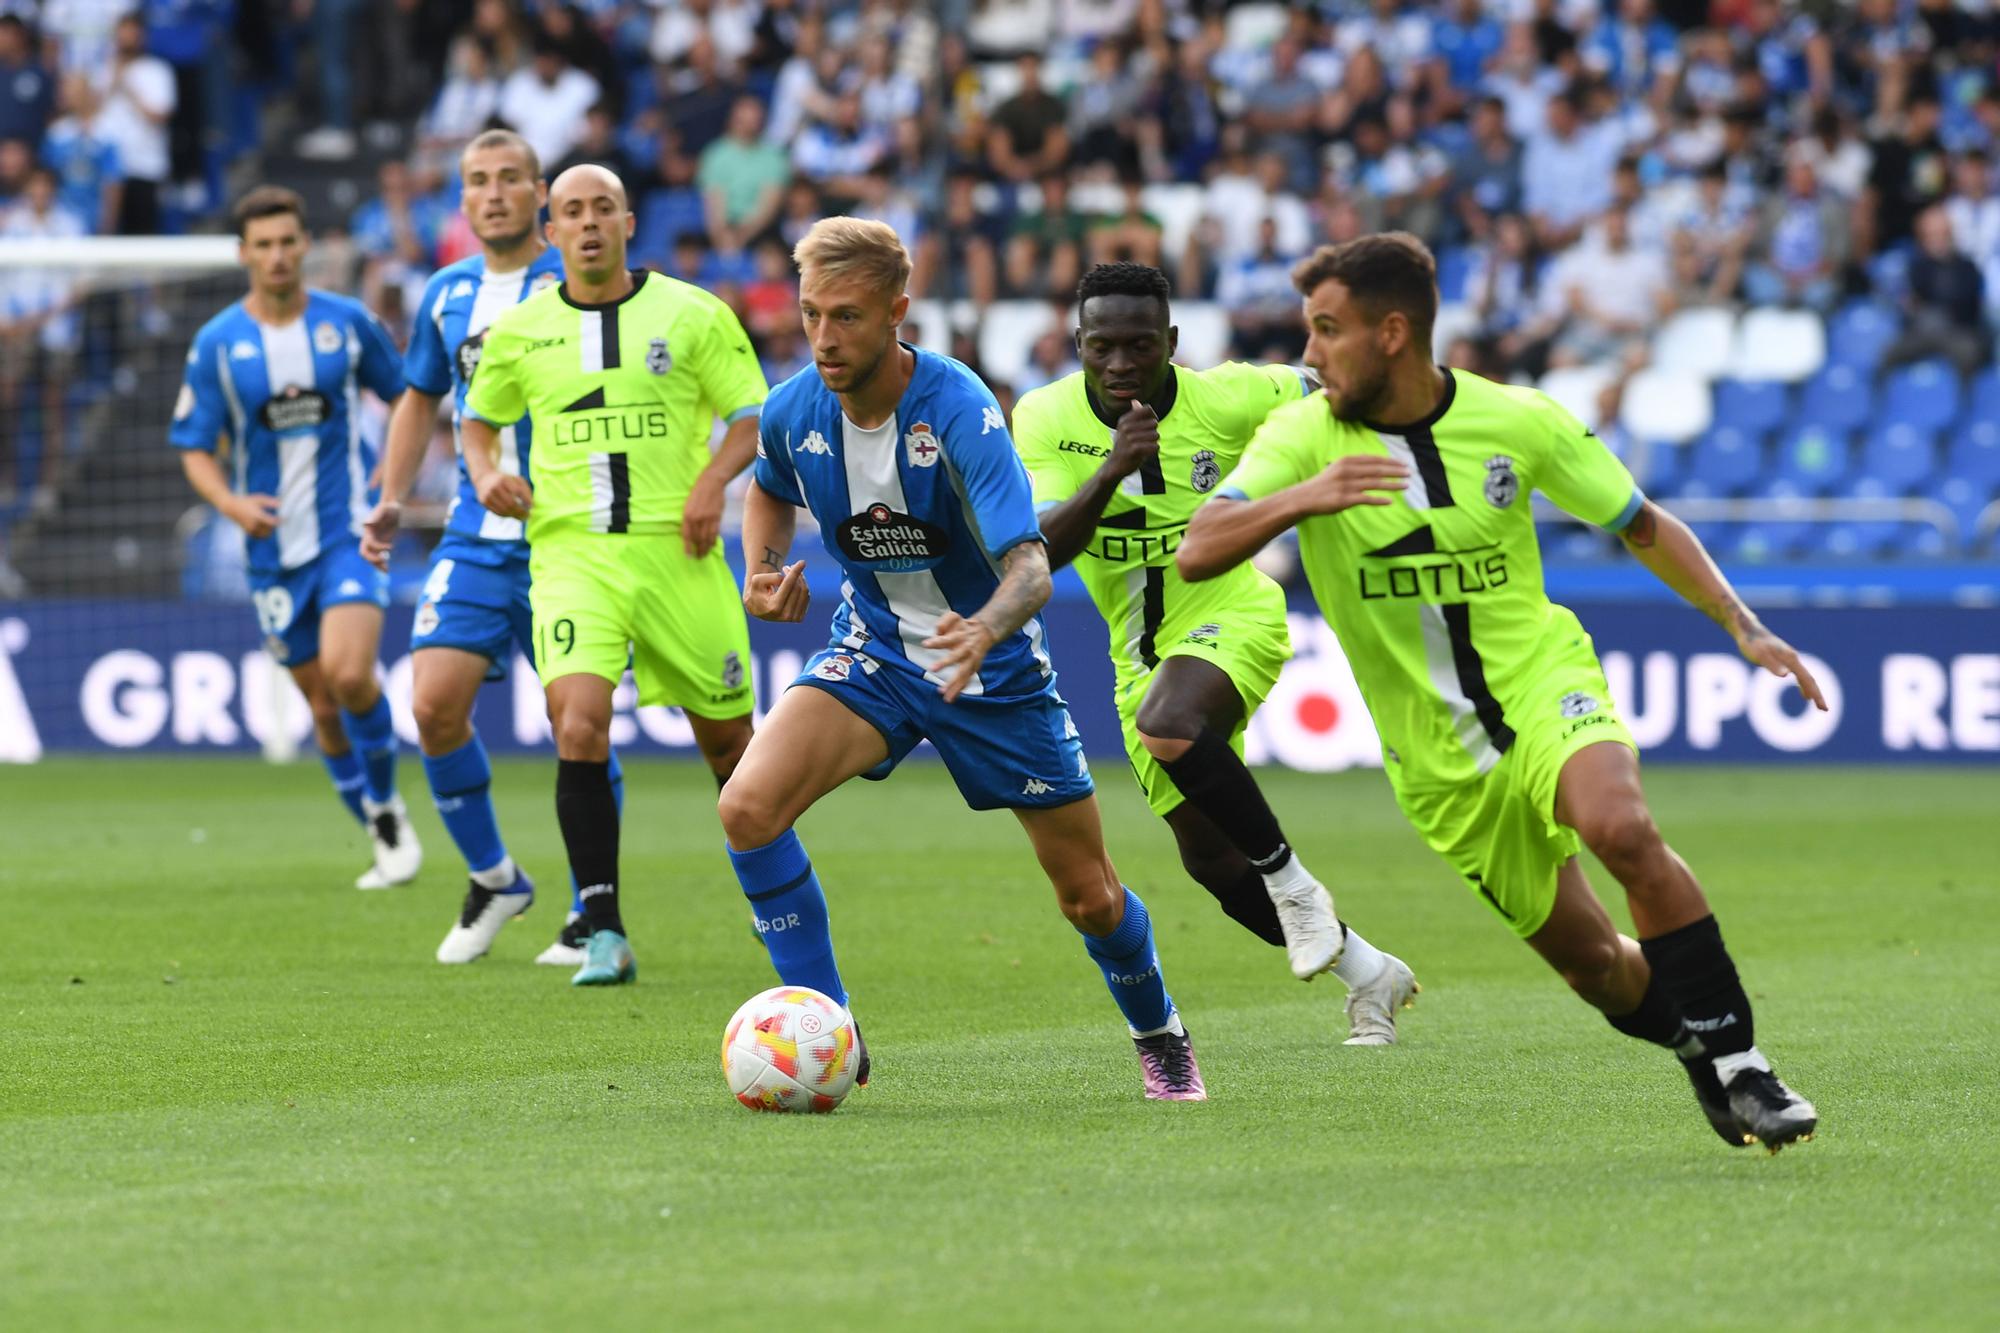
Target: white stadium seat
pixel 1253 26
pixel 1178 207
pixel 1204 327
pixel 1666 406
pixel 1782 345
pixel 1007 335
pixel 1698 342
pixel 1455 319
pixel 1581 390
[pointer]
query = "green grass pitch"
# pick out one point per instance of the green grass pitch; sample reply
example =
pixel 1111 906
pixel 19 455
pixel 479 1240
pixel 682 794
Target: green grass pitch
pixel 235 1093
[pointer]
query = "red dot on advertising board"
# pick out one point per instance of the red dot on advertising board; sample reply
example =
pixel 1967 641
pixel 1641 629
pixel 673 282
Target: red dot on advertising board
pixel 1318 713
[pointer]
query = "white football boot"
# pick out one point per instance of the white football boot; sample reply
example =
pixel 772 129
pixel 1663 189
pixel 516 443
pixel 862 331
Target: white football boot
pixel 479 921
pixel 1313 938
pixel 1371 1009
pixel 567 951
pixel 398 854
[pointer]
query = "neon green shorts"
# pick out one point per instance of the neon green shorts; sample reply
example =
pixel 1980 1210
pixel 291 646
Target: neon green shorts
pixel 1251 645
pixel 603 601
pixel 1499 830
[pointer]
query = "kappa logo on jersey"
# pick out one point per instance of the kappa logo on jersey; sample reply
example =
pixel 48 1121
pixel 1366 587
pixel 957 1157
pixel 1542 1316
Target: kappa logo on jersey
pixel 732 670
pixel 922 445
pixel 888 537
pixel 469 353
pixel 1501 483
pixel 245 351
pixel 295 409
pixel 463 287
pixel 1578 704
pixel 813 443
pixel 990 420
pixel 658 359
pixel 836 667
pixel 1205 473
pixel 326 337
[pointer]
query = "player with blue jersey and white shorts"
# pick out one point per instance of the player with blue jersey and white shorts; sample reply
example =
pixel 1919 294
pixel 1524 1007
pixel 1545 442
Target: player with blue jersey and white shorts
pixel 277 379
pixel 904 459
pixel 474 610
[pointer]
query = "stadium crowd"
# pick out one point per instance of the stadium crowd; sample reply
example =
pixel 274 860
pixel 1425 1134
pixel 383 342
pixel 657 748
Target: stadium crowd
pixel 1582 167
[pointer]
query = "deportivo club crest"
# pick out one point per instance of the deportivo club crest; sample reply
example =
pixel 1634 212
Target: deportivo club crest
pixel 1578 704
pixel 658 359
pixel 732 670
pixel 1501 483
pixel 921 445
pixel 1206 472
pixel 326 338
pixel 542 280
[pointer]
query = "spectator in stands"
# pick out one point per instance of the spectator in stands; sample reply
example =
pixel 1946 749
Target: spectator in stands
pixel 1612 294
pixel 1908 175
pixel 882 199
pixel 771 297
pixel 499 29
pixel 796 95
pixel 1398 180
pixel 598 144
pixel 1182 102
pixel 803 207
pixel 696 100
pixel 956 261
pixel 17 159
pixel 1710 241
pixel 27 94
pixel 1522 82
pixel 1045 245
pixel 396 231
pixel 1802 243
pixel 1565 173
pixel 730 26
pixel 668 203
pixel 1105 110
pixel 1501 289
pixel 1632 48
pixel 561 26
pixel 84 158
pixel 81 35
pixel 1052 357
pixel 333 24
pixel 545 102
pixel 1486 173
pixel 1975 217
pixel 1256 290
pixel 138 93
pixel 1944 314
pixel 742 179
pixel 1841 162
pixel 39 334
pixel 836 152
pixel 1028 135
pixel 888 96
pixel 1131 235
pixel 999 28
pixel 1466 41
pixel 465 105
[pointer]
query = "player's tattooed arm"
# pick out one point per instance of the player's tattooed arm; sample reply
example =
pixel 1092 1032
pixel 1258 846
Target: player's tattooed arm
pixel 772 558
pixel 1669 548
pixel 965 640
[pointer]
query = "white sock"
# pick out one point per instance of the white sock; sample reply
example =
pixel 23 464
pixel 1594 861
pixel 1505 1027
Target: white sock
pixel 496 877
pixel 1289 878
pixel 1360 962
pixel 1173 1026
pixel 1727 1067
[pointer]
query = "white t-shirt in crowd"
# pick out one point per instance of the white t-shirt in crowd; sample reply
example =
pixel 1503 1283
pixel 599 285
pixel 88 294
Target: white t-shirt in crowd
pixel 144 85
pixel 548 116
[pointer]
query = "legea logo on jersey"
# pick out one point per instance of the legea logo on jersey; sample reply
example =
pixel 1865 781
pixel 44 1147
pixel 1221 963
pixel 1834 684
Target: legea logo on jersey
pixel 295 409
pixel 922 445
pixel 896 541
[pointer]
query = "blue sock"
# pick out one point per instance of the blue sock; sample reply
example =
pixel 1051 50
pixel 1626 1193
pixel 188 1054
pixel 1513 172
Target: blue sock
pixel 462 783
pixel 784 892
pixel 345 770
pixel 618 795
pixel 374 735
pixel 1132 969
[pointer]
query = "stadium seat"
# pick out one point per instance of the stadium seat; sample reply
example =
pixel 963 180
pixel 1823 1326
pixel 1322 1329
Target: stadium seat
pixel 1661 467
pixel 1179 208
pixel 1455 320
pixel 932 321
pixel 1967 499
pixel 665 216
pixel 1982 399
pixel 1204 327
pixel 1813 458
pixel 1900 457
pixel 1580 389
pixel 1837 398
pixel 1699 342
pixel 1921 541
pixel 1454 266
pixel 1780 534
pixel 1975 454
pixel 1860 333
pixel 1008 334
pixel 1726 461
pixel 1255 25
pixel 1923 395
pixel 1752 405
pixel 1666 405
pixel 1782 345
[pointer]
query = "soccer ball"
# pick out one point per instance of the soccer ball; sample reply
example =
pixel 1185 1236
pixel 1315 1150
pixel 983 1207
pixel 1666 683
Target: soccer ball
pixel 790 1049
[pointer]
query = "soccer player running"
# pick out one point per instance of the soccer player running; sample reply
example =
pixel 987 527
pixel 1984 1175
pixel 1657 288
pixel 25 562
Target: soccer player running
pixel 278 377
pixel 624 373
pixel 475 606
pixel 903 457
pixel 1409 486
pixel 1121 453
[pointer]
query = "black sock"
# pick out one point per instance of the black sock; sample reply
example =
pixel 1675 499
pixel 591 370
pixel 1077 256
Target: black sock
pixel 1694 969
pixel 1248 903
pixel 1658 1020
pixel 1218 784
pixel 588 813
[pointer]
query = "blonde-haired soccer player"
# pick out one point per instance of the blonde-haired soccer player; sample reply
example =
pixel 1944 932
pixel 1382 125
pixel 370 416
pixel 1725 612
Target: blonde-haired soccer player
pixel 624 372
pixel 904 458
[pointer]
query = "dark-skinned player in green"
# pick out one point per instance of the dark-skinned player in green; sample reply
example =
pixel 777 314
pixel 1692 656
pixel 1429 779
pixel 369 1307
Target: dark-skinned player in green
pixel 1121 454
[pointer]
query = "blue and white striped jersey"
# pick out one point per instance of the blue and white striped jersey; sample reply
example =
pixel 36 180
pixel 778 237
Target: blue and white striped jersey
pixel 918 512
pixel 288 400
pixel 459 303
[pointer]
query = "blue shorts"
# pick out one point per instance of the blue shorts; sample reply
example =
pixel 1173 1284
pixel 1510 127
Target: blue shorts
pixel 476 599
pixel 290 602
pixel 1016 753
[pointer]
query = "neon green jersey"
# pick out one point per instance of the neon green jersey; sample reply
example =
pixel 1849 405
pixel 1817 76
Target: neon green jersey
pixel 624 397
pixel 1128 568
pixel 1437 597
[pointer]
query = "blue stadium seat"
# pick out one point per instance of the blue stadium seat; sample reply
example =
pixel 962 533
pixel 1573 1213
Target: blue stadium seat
pixel 1813 458
pixel 1967 499
pixel 1665 466
pixel 1982 399
pixel 1854 541
pixel 1753 405
pixel 666 216
pixel 1900 456
pixel 1454 266
pixel 1975 454
pixel 1838 398
pixel 1776 538
pixel 1919 541
pixel 1923 395
pixel 1727 459
pixel 1860 333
